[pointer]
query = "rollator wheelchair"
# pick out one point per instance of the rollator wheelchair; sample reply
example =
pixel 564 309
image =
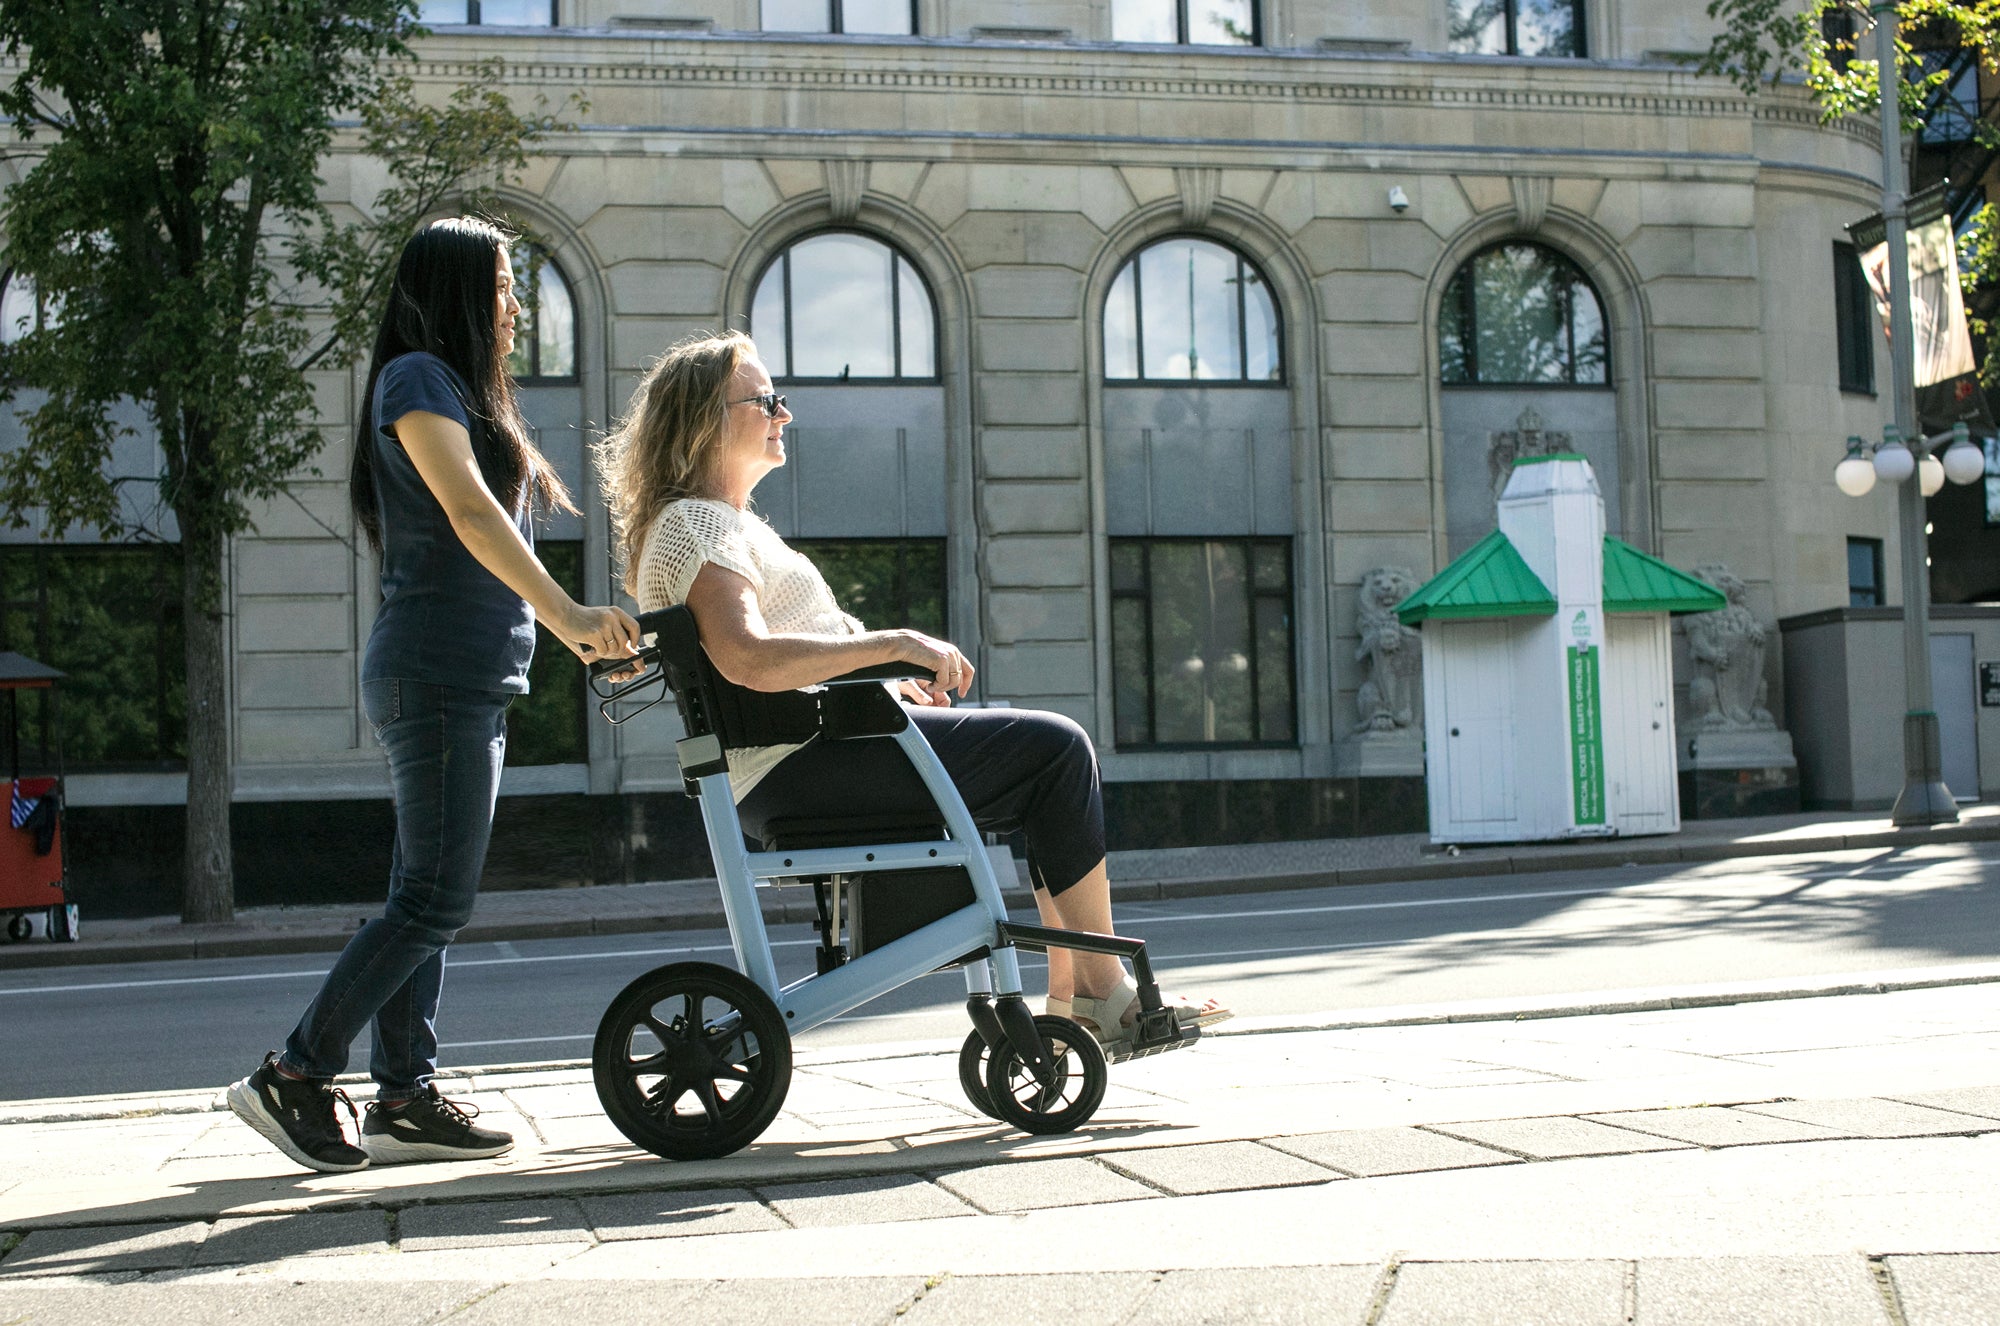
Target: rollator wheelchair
pixel 692 1060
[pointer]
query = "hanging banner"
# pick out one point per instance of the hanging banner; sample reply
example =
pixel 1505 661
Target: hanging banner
pixel 1586 736
pixel 1947 376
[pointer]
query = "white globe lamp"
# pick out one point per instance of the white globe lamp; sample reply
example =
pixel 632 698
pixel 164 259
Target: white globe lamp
pixel 1854 475
pixel 1964 462
pixel 1930 475
pixel 1893 461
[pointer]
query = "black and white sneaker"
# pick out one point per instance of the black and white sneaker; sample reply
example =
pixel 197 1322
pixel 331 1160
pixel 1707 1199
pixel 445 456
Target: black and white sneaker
pixel 429 1127
pixel 297 1117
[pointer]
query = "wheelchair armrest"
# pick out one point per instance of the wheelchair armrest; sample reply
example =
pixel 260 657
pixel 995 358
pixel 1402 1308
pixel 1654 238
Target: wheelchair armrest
pixel 880 672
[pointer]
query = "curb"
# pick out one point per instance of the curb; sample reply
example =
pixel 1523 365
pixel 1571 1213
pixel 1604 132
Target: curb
pixel 1474 863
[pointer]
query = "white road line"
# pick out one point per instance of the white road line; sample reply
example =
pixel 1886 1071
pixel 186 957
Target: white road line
pixel 518 1040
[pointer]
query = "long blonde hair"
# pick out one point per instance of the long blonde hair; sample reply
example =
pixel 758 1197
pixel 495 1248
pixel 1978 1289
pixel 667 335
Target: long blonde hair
pixel 668 442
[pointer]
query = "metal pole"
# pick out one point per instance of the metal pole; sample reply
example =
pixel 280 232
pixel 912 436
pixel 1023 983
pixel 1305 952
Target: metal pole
pixel 1924 799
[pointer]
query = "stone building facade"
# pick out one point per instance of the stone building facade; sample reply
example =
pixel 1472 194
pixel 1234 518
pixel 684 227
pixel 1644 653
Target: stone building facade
pixel 1166 542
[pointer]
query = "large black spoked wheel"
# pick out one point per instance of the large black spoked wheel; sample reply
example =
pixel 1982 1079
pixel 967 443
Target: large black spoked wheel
pixel 1072 1095
pixel 19 927
pixel 972 1057
pixel 692 1061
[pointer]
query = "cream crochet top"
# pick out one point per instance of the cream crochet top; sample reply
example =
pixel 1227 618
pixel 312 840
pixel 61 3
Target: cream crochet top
pixel 791 593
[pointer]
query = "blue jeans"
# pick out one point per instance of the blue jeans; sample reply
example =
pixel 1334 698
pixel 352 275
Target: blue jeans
pixel 445 746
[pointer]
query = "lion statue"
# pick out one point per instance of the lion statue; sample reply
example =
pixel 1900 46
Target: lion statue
pixel 1726 650
pixel 1391 695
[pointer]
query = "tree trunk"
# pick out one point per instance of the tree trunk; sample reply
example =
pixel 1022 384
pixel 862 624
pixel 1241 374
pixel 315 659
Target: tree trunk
pixel 210 890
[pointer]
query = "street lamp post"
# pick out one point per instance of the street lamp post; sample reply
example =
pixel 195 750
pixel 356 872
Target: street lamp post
pixel 1924 799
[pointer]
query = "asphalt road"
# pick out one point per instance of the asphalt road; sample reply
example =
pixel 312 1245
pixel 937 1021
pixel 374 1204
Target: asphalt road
pixel 155 1026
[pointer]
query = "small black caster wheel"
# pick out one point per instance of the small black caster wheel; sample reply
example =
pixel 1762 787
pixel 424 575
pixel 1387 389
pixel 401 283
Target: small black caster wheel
pixel 63 924
pixel 692 1061
pixel 1068 1099
pixel 19 927
pixel 972 1057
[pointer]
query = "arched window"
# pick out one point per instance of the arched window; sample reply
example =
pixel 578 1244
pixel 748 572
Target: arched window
pixel 842 307
pixel 545 333
pixel 1519 314
pixel 1187 310
pixel 22 309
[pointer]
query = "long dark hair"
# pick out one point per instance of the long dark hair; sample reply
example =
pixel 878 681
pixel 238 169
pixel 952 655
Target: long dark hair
pixel 441 302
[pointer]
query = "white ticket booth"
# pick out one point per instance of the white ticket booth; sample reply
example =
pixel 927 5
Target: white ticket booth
pixel 1548 678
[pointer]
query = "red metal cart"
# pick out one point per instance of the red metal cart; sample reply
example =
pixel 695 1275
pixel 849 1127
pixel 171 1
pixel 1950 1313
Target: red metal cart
pixel 33 874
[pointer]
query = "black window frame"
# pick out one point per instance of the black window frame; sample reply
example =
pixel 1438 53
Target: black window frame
pixel 1469 322
pixel 543 261
pixel 1244 263
pixel 837 23
pixel 1181 30
pixel 473 20
pixel 1144 596
pixel 1513 52
pixel 814 548
pixel 789 378
pixel 1865 596
pixel 1853 321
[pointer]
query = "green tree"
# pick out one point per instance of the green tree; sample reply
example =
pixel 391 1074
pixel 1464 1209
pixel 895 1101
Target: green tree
pixel 172 220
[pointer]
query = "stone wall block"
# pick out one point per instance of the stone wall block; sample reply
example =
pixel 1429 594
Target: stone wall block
pixel 324 503
pixel 1618 208
pixel 990 238
pixel 1148 184
pixel 1360 453
pixel 1018 345
pixel 1375 402
pixel 1025 188
pixel 1026 292
pixel 1289 205
pixel 1037 561
pixel 1104 199
pixel 1718 455
pixel 1352 556
pixel 1689 403
pixel 1578 196
pixel 1372 297
pixel 943 193
pixel 747 191
pixel 1737 505
pixel 1697 203
pixel 1039 669
pixel 293 624
pixel 1682 353
pixel 287 736
pixel 653 289
pixel 1333 246
pixel 896 179
pixel 1704 302
pixel 1065 238
pixel 1486 192
pixel 1030 398
pixel 1438 203
pixel 1402 245
pixel 292 681
pixel 1377 506
pixel 1015 507
pixel 273 566
pixel 1014 616
pixel 1384 348
pixel 1031 453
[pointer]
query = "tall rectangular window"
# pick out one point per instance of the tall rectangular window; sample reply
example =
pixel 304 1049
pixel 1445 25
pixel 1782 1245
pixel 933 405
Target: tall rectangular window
pixel 547 725
pixel 1186 22
pixel 110 617
pixel 1864 573
pixel 1853 320
pixel 886 583
pixel 881 18
pixel 1201 642
pixel 1515 27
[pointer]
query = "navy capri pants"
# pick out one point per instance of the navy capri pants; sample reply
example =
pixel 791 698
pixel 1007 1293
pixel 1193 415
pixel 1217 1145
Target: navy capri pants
pixel 1018 769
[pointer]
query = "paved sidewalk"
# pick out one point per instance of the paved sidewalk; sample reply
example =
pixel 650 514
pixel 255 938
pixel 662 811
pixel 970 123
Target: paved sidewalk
pixel 1137 876
pixel 1814 1160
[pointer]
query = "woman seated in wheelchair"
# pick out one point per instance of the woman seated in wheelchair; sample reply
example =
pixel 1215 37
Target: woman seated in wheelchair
pixel 705 426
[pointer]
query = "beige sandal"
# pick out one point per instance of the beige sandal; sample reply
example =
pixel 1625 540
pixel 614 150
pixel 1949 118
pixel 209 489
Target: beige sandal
pixel 1097 1014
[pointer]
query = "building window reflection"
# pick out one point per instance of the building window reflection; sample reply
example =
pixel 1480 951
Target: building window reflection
pixel 1186 22
pixel 22 308
pixel 881 18
pixel 491 13
pixel 1516 27
pixel 1190 310
pixel 1521 314
pixel 545 333
pixel 843 307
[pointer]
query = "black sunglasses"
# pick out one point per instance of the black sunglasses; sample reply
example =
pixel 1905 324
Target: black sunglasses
pixel 770 403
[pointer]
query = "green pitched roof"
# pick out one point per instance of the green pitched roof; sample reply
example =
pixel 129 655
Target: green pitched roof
pixel 1490 580
pixel 1635 582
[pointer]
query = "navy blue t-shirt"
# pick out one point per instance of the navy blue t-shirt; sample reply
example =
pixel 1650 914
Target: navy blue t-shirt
pixel 445 618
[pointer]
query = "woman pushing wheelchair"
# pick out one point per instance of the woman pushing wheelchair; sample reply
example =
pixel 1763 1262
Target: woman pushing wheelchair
pixel 704 428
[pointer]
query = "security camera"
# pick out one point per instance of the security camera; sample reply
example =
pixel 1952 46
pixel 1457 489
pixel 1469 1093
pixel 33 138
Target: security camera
pixel 1398 200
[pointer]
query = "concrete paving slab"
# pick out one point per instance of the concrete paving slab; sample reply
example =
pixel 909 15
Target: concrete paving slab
pixel 1368 1152
pixel 490 1224
pixel 1206 1167
pixel 95 1249
pixel 1982 1101
pixel 1961 1290
pixel 1553 1139
pixel 1875 1118
pixel 865 1201
pixel 793 1302
pixel 265 1299
pixel 1040 1184
pixel 657 1215
pixel 273 1238
pixel 1714 1125
pixel 600 1304
pixel 1260 1296
pixel 1758 1291
pixel 1034 1299
pixel 1576 1293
